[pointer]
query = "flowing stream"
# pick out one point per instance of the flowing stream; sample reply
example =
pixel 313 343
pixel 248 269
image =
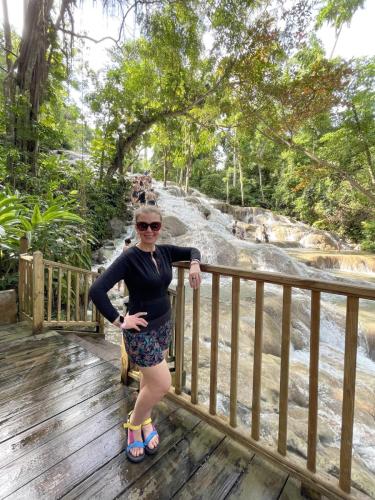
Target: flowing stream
pixel 202 222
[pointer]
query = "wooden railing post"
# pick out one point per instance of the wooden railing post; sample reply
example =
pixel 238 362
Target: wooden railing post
pixel 38 292
pixel 284 370
pixel 124 362
pixel 351 339
pixel 313 381
pixel 214 341
pixel 234 351
pixel 179 344
pixel 257 368
pixel 195 346
pixel 100 317
pixel 24 246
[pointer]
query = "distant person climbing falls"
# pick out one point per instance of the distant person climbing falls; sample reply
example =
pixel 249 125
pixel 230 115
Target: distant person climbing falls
pixel 147 327
pixel 142 197
pixel 151 197
pixel 234 228
pixel 265 234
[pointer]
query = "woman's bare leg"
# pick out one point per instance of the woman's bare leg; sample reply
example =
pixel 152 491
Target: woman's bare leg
pixel 155 383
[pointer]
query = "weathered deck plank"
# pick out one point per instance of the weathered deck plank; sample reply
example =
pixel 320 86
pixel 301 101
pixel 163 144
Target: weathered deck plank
pixel 264 480
pixel 25 442
pixel 41 411
pixel 26 382
pixel 292 490
pixel 10 335
pixel 16 366
pixel 218 474
pixel 61 412
pixel 76 466
pixel 166 477
pixel 118 474
pixel 32 469
pixel 16 349
pixel 19 405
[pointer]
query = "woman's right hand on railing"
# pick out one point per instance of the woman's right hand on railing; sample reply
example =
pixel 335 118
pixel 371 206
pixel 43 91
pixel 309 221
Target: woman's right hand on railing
pixel 133 321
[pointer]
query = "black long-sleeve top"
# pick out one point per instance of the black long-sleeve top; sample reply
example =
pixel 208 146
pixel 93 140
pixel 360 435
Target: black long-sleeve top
pixel 147 285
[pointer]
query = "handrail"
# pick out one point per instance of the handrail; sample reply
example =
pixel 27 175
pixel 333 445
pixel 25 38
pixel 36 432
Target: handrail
pixel 56 294
pixel 71 289
pixel 306 472
pixel 282 279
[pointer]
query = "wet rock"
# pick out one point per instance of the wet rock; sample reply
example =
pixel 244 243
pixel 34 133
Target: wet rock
pixel 319 239
pixel 193 199
pixel 205 211
pixel 298 392
pixel 98 256
pixel 117 227
pixel 175 191
pixel 226 253
pixel 109 244
pixel 174 226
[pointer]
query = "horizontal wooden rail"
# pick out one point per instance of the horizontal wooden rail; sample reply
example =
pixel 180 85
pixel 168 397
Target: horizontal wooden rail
pixel 281 279
pixel 60 265
pixel 54 294
pixel 306 471
pixel 65 288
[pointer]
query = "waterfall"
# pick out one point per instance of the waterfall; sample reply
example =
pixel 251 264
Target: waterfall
pixel 208 225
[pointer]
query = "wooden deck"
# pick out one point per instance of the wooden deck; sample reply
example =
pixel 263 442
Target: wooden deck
pixel 61 410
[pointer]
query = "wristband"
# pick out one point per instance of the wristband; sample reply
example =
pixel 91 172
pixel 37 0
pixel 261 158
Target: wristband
pixel 195 260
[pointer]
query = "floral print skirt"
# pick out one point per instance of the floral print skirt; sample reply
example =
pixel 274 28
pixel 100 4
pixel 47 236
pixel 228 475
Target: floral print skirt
pixel 146 348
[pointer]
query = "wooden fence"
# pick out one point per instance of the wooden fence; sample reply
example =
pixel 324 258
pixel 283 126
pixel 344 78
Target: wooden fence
pixel 306 472
pixel 52 294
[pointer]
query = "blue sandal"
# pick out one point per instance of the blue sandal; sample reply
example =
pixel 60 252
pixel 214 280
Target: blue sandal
pixel 153 433
pixel 132 443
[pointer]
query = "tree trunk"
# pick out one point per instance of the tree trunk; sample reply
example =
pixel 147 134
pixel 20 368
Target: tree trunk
pixel 234 167
pixel 118 161
pixel 32 73
pixel 241 180
pixel 9 89
pixel 227 179
pixel 260 181
pixel 188 173
pixel 165 170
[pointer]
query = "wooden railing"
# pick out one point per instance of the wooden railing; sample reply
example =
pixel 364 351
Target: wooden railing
pixel 52 294
pixel 306 472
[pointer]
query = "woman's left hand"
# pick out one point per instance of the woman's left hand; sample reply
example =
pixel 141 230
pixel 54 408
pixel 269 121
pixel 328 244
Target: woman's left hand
pixel 195 275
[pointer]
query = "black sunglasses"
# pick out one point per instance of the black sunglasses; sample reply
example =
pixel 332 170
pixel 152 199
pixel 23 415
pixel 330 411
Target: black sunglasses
pixel 143 226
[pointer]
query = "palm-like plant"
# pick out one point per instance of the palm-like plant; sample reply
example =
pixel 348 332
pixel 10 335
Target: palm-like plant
pixel 9 221
pixel 42 228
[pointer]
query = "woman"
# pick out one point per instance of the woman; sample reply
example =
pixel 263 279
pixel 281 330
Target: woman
pixel 147 271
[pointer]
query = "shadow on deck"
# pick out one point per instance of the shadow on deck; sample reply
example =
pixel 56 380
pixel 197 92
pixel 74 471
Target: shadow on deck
pixel 61 410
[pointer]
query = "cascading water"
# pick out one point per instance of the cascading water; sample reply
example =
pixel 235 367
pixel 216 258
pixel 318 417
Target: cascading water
pixel 209 229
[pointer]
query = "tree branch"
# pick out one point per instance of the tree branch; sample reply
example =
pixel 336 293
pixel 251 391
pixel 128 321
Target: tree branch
pixel 76 35
pixel 7 50
pixel 274 136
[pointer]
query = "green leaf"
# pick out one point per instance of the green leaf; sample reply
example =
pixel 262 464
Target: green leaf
pixel 36 218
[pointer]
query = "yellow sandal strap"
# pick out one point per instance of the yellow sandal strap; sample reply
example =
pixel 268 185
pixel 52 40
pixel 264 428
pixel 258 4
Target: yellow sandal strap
pixel 147 421
pixel 128 425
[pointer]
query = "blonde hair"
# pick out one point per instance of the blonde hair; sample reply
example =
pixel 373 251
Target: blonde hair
pixel 147 210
